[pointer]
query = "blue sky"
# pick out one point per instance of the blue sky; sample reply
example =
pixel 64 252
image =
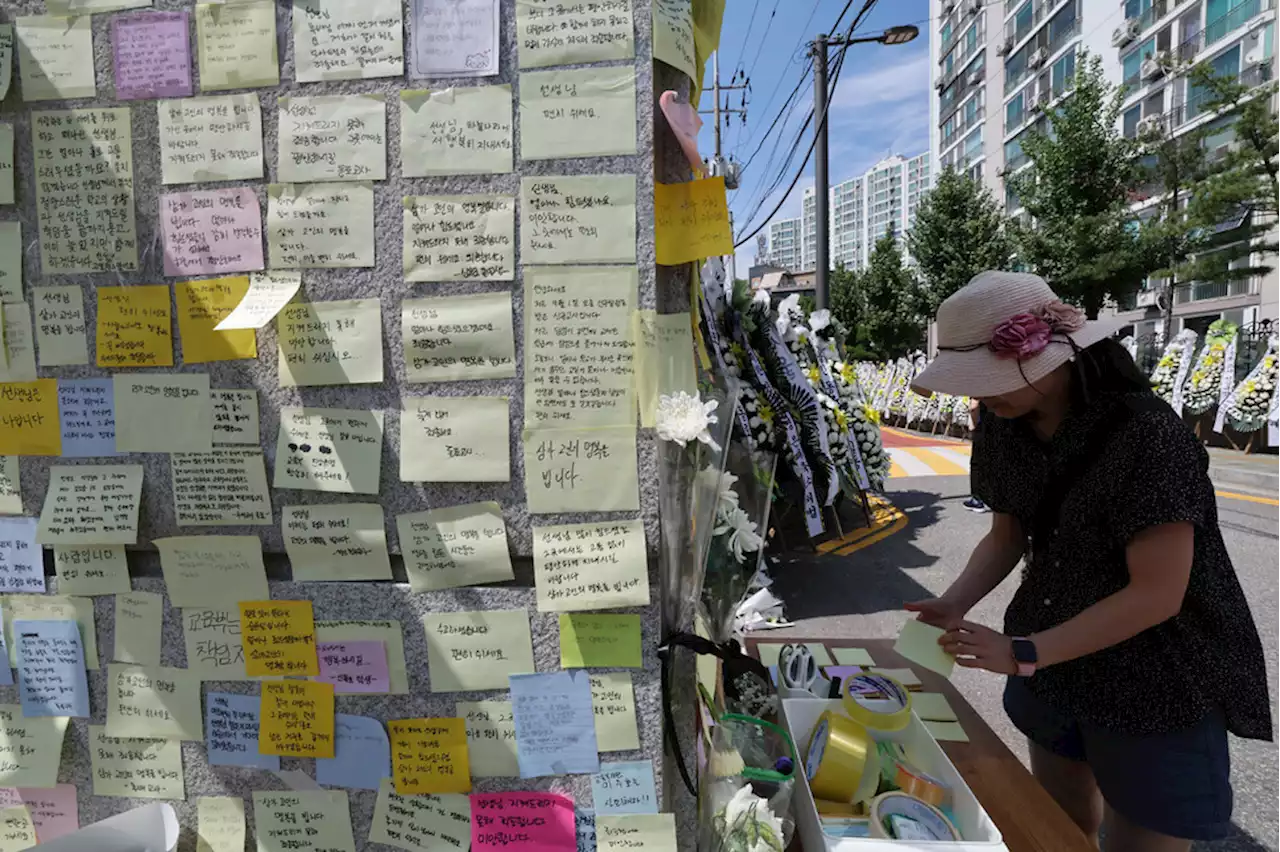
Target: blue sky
pixel 880 107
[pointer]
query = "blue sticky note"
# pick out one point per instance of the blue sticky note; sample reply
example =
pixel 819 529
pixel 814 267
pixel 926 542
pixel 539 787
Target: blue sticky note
pixel 87 408
pixel 361 754
pixel 625 788
pixel 231 732
pixel 555 723
pixel 6 673
pixel 51 676
pixel 586 828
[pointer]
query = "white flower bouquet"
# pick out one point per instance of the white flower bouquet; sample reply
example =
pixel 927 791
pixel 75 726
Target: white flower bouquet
pixel 1204 385
pixel 1249 404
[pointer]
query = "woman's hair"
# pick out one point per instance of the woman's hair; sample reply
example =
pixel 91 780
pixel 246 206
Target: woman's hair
pixel 1106 367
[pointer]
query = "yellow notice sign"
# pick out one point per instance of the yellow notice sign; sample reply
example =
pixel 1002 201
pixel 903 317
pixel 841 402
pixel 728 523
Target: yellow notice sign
pixel 604 641
pixel 30 425
pixel 134 327
pixel 201 306
pixel 279 638
pixel 429 756
pixel 296 719
pixel 691 221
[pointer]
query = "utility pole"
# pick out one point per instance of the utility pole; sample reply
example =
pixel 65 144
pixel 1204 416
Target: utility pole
pixel 739 82
pixel 822 253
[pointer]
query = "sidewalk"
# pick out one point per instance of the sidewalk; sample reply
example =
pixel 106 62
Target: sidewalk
pixel 1259 473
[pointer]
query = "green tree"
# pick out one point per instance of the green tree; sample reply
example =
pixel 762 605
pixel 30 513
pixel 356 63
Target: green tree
pixel 959 231
pixel 892 322
pixel 846 301
pixel 1080 237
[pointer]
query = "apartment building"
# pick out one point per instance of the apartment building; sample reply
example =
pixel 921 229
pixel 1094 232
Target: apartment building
pixel 784 244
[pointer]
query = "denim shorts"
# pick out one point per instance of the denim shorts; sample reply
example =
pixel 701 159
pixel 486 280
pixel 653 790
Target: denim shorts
pixel 1177 784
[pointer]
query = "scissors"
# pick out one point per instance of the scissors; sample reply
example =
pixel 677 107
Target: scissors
pixel 797 669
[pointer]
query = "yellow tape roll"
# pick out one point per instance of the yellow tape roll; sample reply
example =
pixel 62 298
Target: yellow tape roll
pixel 925 821
pixel 876 701
pixel 837 757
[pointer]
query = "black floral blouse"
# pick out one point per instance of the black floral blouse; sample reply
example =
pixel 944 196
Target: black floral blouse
pixel 1149 471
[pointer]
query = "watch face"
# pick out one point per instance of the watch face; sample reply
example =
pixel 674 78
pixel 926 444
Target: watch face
pixel 1024 651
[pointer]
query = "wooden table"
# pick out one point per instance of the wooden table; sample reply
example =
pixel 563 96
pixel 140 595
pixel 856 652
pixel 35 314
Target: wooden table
pixel 1028 818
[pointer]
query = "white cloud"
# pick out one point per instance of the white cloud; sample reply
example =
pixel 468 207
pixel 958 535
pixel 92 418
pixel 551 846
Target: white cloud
pixel 888 82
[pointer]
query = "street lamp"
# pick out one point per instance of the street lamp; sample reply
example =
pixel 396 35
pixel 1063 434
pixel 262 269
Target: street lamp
pixel 822 260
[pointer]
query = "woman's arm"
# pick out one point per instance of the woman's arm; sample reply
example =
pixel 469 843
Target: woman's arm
pixel 991 561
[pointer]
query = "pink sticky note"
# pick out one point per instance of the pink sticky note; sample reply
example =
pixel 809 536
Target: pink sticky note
pixel 530 822
pixel 153 55
pixel 356 666
pixel 685 124
pixel 53 811
pixel 218 230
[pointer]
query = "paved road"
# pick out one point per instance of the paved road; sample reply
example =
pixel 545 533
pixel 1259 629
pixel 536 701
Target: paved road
pixel 861 595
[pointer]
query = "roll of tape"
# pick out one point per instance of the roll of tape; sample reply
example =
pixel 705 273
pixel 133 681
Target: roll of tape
pixel 891 813
pixel 912 781
pixel 837 757
pixel 876 701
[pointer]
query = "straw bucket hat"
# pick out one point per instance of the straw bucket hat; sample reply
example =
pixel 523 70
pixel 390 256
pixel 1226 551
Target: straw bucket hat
pixel 1003 331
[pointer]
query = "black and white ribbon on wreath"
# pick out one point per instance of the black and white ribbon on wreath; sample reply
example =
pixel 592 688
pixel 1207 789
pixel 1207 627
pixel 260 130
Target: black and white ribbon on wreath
pixel 807 402
pixel 885 389
pixel 1184 366
pixel 822 354
pixel 1232 398
pixel 709 320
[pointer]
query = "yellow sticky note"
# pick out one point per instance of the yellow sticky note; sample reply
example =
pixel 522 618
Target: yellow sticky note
pixel 456 338
pixel 10 232
pixel 320 225
pixel 479 140
pixel 330 343
pixel 429 756
pixel 10 486
pixel 584 112
pixel 30 749
pixel 237 45
pixel 691 221
pixel 215 650
pixel 31 425
pixel 158 413
pixel 51 608
pixel 673 37
pixel 17 831
pixel 329 449
pixel 51 54
pixel 155 702
pixel 210 139
pixel 946 731
pixel 932 706
pixel 664 359
pixel 477 650
pixel 235 417
pixel 581 470
pixel 614 700
pixel 19 344
pixel 137 768
pixel 336 541
pixel 852 657
pixel 223 487
pixel 906 677
pixel 455 439
pixel 220 824
pixel 454 546
pixel 599 641
pixel 769 652
pixel 599 232
pixel 279 638
pixel 540 25
pixel 459 237
pixel 389 633
pixel 212 571
pixel 918 642
pixel 201 306
pixel 138 625
pixel 590 566
pixel 296 719
pixel 324 816
pixel 89 571
pixel 357 153
pixel 401 820
pixel 624 832
pixel 91 504
pixel 134 327
pixel 10 264
pixel 323 49
pixel 491 738
pixel 60 325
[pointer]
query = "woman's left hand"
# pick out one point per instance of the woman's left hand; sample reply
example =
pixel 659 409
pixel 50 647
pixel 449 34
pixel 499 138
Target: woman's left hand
pixel 978 647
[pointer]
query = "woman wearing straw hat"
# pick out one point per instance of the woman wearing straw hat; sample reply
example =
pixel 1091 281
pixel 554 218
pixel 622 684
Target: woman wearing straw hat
pixel 1129 643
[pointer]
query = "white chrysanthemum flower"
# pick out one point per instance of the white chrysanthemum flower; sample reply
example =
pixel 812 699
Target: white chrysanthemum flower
pixel 720 483
pixel 761 297
pixel 743 538
pixel 682 418
pixel 818 320
pixel 748 816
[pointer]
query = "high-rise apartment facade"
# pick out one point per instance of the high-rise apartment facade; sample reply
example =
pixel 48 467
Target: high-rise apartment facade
pixel 785 245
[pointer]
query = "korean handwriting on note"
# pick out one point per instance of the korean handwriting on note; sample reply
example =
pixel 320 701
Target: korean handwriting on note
pixel 237 45
pixel 459 130
pixel 205 139
pixel 212 570
pixel 225 486
pixel 455 439
pixel 231 732
pixel 235 416
pixel 92 570
pixel 625 788
pixel 297 719
pixel 21 559
pixel 30 748
pixel 330 343
pixel 214 647
pixel 29 423
pixel 303 821
pixel 325 47
pixel 691 220
pixel 91 504
pixel 313 225
pixel 590 566
pixel 459 237
pixel 279 638
pixel 329 449
pixel 581 470
pixel 491 738
pixel 532 822
pixel 451 338
pixel 336 541
pixel 333 137
pixel 158 702
pixel 552 32
pixel 134 327
pixel 429 756
pixel 361 754
pixel 421 822
pixel 578 219
pixel 354 666
pixel 614 700
pixel 455 38
pixel 51 673
pixel 88 414
pixel 60 325
pixel 454 546
pixel 152 55
pixel 594 639
pixel 555 723
pixel 125 766
pixel 218 230
pixel 477 650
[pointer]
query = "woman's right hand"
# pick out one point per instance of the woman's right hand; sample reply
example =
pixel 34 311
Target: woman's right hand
pixel 939 612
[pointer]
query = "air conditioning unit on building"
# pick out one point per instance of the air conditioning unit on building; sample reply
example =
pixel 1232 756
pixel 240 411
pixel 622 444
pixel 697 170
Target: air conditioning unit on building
pixel 1002 171
pixel 1037 57
pixel 1126 32
pixel 1147 299
pixel 1005 46
pixel 1150 124
pixel 974 78
pixel 1151 69
pixel 974 7
pixel 947 6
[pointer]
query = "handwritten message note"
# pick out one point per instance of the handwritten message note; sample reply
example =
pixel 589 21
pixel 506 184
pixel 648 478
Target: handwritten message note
pixel 332 137
pixel 336 541
pixel 455 439
pixel 457 338
pixel 91 570
pixel 91 504
pixel 30 749
pixel 84 192
pixel 268 292
pixel 6 58
pixel 279 638
pixel 53 811
pixel 330 343
pixel 422 821
pixel 578 219
pixel 303 821
pixel 673 35
pixel 459 237
pixel 50 608
pixel 624 788
pixel 624 832
pixel 581 470
pixel 88 417
pixel 429 756
pixel 237 45
pixel 555 724
pixel 542 822
pixel 29 422
pixel 219 488
pixel 220 824
pixel 664 359
pixel 235 416
pixel 454 546
pixel 152 55
pixel 21 559
pixel 202 305
pixel 320 224
pixel 614 701
pixel 455 39
pixel 456 131
pixel 594 640
pixel 51 52
pixel 10 232
pixel 589 112
pixel 17 830
pixel 231 732
pixel 590 566
pixel 134 328
pixel 209 139
pixel 60 325
pixel 10 487
pixel 154 702
pixel 691 221
pixel 214 647
pixel 347 39
pixel 389 633
pixel 212 570
pixel 297 718
pixel 51 671
pixel 491 738
pixel 578 352
pixel 585 823
pixel 139 620
pixel 354 667
pixel 219 230
pixel 361 755
pixel 329 449
pixel 163 413
pixel 558 33
pixel 477 650
pixel 19 340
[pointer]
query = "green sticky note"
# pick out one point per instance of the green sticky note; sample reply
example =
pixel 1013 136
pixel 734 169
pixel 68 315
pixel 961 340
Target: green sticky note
pixel 945 732
pixel 933 706
pixel 918 642
pixel 852 656
pixel 769 652
pixel 606 641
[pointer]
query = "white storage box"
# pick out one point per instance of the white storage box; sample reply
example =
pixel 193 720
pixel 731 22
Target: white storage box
pixel 800 716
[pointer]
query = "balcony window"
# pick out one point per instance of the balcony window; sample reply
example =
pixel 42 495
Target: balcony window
pixel 1063 72
pixel 1014 112
pixel 1130 121
pixel 1022 21
pixel 1224 65
pixel 1132 62
pixel 1062 23
pixel 1135 8
pixel 1223 16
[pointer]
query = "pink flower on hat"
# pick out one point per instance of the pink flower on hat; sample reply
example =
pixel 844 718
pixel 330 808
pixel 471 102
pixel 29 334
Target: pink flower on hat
pixel 1020 336
pixel 1061 317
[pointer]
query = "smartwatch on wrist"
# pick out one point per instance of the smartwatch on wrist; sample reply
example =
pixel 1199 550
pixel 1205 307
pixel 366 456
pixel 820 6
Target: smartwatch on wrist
pixel 1024 654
